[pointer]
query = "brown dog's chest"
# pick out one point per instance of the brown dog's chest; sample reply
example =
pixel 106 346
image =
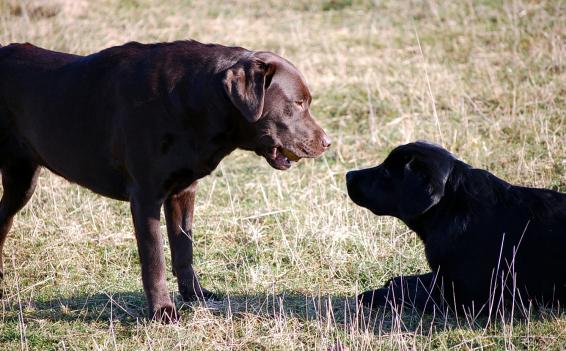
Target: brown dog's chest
pixel 205 158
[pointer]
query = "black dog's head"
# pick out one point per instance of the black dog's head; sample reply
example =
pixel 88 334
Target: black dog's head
pixel 409 182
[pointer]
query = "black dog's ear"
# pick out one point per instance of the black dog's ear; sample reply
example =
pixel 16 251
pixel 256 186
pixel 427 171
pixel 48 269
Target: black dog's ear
pixel 423 186
pixel 245 85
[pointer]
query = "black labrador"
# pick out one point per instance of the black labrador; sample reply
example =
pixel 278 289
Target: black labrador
pixel 486 241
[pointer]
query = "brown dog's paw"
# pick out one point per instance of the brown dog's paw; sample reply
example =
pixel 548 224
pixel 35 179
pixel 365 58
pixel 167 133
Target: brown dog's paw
pixel 190 294
pixel 165 314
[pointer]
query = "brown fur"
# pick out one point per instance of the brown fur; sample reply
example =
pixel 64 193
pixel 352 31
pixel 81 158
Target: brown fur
pixel 142 123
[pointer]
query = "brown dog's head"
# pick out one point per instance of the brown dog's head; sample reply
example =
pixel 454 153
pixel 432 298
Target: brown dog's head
pixel 274 100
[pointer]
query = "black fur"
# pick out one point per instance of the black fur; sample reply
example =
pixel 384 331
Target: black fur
pixel 489 242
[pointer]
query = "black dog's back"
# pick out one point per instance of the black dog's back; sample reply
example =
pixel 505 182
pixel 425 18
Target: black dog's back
pixel 544 243
pixel 512 236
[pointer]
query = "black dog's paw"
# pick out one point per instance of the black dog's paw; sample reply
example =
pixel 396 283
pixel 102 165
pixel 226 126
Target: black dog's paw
pixel 373 298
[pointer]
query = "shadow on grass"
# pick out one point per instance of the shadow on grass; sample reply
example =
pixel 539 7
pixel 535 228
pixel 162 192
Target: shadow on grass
pixel 125 307
pixel 338 311
pixel 129 308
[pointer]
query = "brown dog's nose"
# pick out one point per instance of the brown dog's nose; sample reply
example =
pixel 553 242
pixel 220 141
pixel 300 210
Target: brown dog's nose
pixel 326 142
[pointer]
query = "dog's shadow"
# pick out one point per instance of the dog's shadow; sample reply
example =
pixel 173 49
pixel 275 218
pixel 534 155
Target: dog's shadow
pixel 129 308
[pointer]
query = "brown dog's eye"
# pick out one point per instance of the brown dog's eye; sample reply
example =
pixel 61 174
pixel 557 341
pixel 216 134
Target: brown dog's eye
pixel 300 103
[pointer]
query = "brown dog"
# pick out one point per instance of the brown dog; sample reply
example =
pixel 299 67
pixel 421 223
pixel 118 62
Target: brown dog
pixel 142 123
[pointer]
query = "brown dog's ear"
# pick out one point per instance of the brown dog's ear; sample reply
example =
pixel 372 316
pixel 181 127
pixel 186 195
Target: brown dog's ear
pixel 245 85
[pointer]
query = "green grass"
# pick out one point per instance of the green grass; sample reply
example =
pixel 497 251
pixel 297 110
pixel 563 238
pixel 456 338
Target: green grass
pixel 486 79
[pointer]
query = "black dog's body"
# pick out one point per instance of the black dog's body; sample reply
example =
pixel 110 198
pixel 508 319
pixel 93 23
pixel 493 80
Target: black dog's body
pixel 488 240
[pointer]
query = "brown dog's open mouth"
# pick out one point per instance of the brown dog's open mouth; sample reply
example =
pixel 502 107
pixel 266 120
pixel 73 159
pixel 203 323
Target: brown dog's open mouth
pixel 281 158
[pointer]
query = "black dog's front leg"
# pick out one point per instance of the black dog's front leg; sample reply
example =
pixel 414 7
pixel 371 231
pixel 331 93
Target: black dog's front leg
pixel 413 291
pixel 145 213
pixel 179 210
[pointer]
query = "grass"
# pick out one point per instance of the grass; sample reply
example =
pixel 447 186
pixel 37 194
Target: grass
pixel 486 79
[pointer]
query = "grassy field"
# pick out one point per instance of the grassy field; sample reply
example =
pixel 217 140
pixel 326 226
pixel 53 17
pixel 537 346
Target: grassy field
pixel 288 250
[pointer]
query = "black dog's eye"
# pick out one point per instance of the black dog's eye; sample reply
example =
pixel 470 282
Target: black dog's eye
pixel 386 173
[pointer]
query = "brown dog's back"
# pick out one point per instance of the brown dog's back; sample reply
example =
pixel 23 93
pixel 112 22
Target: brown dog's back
pixel 52 111
pixel 18 60
pixel 22 71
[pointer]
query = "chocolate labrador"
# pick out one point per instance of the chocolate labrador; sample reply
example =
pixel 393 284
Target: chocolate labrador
pixel 486 241
pixel 142 123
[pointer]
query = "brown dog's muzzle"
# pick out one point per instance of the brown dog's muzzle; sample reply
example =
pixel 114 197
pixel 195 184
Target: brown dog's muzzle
pixel 315 146
pixel 307 141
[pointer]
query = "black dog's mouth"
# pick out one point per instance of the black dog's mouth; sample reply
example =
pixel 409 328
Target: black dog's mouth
pixel 353 193
pixel 281 158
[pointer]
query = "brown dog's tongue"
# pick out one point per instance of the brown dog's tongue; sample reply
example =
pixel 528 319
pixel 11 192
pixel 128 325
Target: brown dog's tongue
pixel 290 155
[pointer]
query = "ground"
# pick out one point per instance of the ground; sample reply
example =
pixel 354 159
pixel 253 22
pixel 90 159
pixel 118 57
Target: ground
pixel 288 250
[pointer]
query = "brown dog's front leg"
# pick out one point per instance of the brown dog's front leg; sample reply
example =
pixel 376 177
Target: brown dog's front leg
pixel 179 210
pixel 145 214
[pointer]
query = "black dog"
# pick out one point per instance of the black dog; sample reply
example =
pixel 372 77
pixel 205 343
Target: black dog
pixel 486 241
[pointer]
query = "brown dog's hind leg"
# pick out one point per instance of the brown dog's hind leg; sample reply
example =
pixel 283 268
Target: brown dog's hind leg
pixel 179 217
pixel 18 180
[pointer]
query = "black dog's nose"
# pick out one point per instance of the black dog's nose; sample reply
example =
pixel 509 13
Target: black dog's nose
pixel 349 176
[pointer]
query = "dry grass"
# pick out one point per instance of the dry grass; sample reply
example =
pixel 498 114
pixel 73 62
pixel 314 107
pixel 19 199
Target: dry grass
pixel 487 79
